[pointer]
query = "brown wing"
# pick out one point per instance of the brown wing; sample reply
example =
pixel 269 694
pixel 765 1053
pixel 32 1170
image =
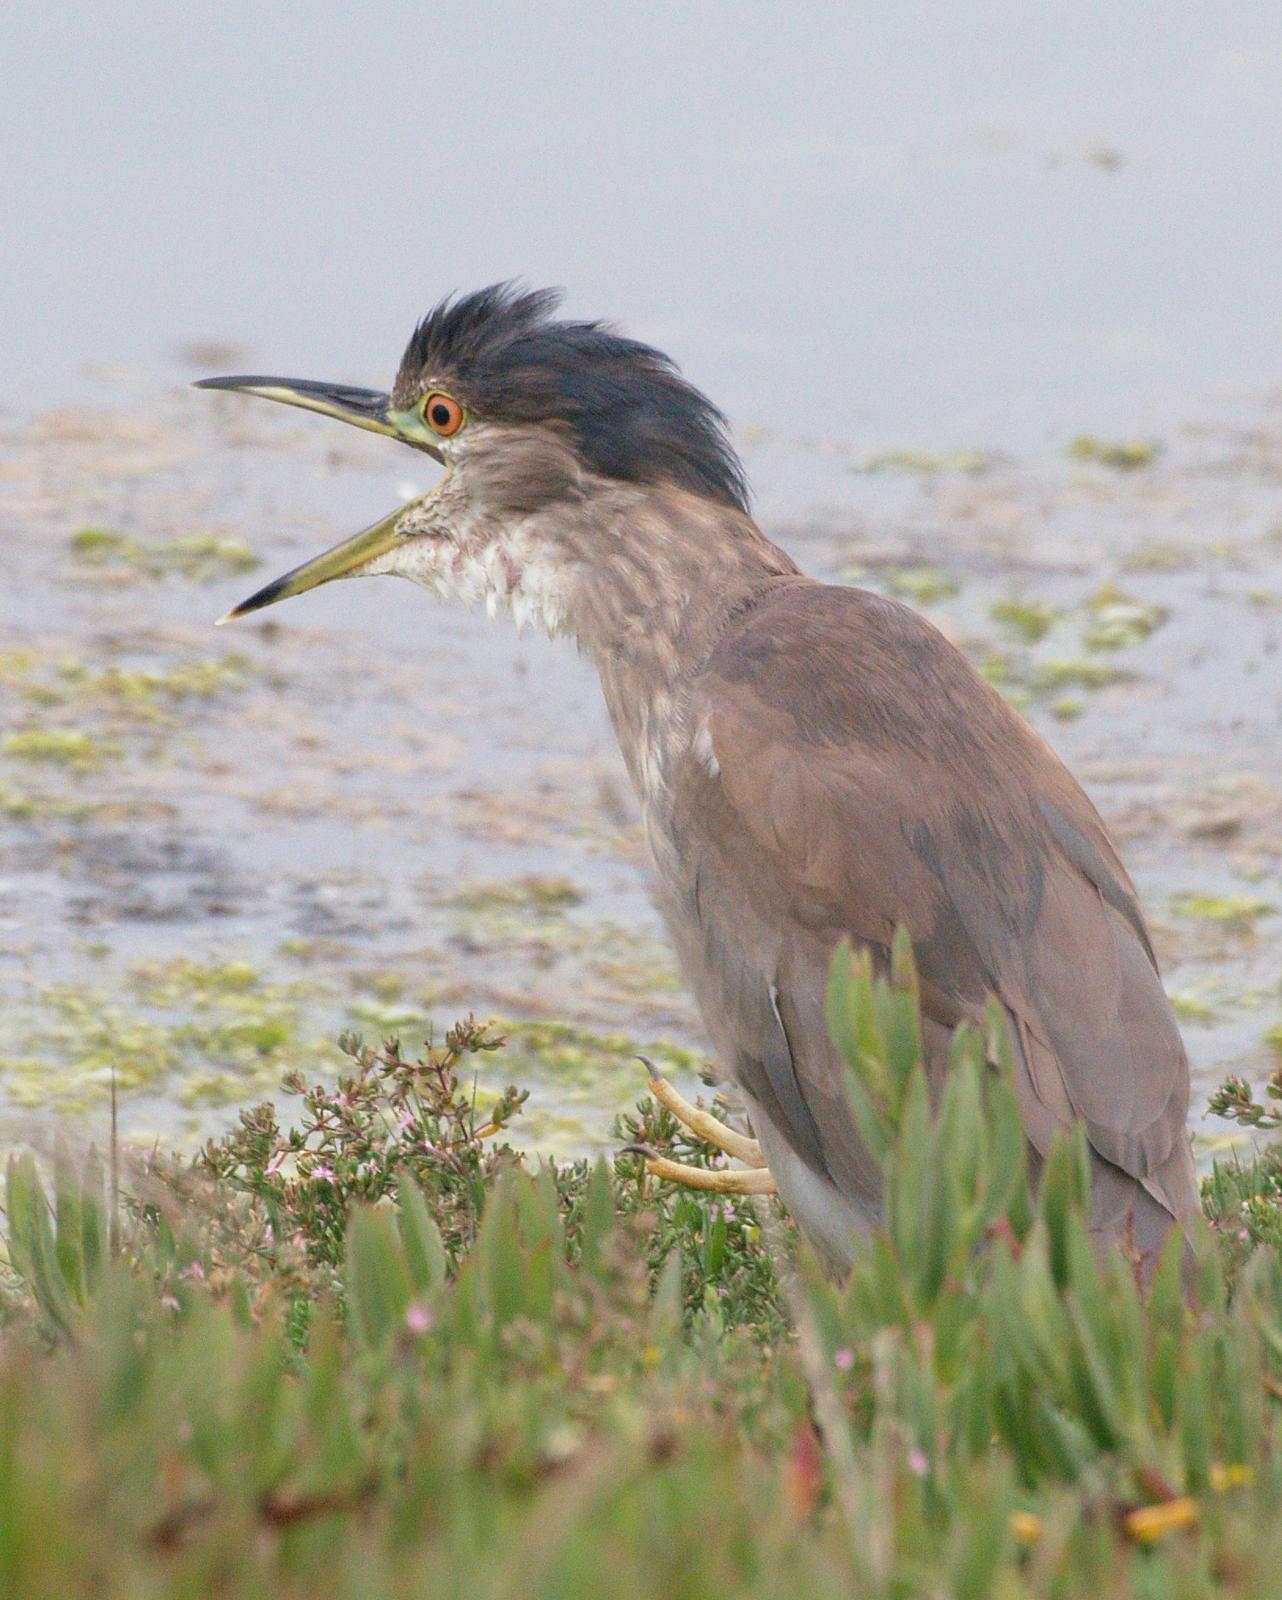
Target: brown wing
pixel 883 782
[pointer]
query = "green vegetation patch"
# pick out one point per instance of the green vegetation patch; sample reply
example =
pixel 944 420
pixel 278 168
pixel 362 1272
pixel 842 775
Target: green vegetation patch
pixel 1237 911
pixel 201 557
pixel 83 1040
pixel 530 893
pixel 925 462
pixel 1119 620
pixel 201 679
pixel 218 1029
pixel 1127 455
pixel 16 666
pixel 20 805
pixel 386 1016
pixel 147 693
pixel 72 748
pixel 184 981
pixel 99 547
pixel 1023 684
pixel 923 586
pixel 115 701
pixel 14 803
pixel 625 966
pixel 578 1055
pixel 206 556
pixel 357 1347
pixel 1068 673
pixel 1029 620
pixel 1190 1006
pixel 1155 556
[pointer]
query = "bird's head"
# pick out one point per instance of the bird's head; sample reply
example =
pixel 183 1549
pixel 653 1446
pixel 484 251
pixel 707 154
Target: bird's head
pixel 535 421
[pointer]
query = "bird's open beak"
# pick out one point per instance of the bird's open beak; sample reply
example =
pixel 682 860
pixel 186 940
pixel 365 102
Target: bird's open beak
pixel 340 562
pixel 363 408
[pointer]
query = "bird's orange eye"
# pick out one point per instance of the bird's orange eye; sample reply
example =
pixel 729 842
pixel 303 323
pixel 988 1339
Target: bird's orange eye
pixel 443 414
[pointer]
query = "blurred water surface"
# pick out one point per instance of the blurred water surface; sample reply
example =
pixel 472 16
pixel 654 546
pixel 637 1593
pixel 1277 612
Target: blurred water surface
pixel 955 222
pixel 912 250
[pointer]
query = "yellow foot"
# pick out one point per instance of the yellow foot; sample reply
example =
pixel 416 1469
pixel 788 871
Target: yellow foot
pixel 755 1180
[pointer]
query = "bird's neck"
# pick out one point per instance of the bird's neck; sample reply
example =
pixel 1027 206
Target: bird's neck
pixel 666 574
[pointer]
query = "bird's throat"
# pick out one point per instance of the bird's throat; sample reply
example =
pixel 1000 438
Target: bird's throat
pixel 513 571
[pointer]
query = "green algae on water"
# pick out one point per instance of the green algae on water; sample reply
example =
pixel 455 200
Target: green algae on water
pixel 1190 1006
pixel 531 893
pixel 144 692
pixel 201 557
pixel 15 804
pixel 1154 556
pixel 16 666
pixel 1119 620
pixel 1065 673
pixel 571 1052
pixel 184 981
pixel 922 585
pixel 1235 911
pixel 99 546
pixel 207 1031
pixel 924 462
pixel 1127 455
pixel 205 556
pixel 1031 620
pixel 63 747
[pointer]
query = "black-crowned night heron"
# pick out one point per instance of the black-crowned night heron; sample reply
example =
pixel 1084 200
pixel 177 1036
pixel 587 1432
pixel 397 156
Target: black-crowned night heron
pixel 812 762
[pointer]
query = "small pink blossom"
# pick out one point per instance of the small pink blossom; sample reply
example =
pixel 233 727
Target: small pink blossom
pixel 917 1463
pixel 843 1359
pixel 169 1303
pixel 418 1317
pixel 320 1171
pixel 194 1271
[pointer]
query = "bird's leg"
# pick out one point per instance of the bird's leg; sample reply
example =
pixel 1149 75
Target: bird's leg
pixel 749 1180
pixel 708 1128
pixel 756 1180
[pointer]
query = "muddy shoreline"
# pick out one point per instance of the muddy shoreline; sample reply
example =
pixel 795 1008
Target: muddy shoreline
pixel 217 849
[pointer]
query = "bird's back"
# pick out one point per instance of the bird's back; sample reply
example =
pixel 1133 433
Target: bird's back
pixel 849 772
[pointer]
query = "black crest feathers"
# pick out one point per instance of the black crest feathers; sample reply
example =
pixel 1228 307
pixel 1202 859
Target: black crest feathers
pixel 628 410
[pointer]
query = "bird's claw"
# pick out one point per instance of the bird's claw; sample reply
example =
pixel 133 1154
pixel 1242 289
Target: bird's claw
pixel 711 1130
pixel 755 1180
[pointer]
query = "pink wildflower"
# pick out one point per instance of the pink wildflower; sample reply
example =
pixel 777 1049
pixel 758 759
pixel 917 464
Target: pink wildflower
pixel 418 1317
pixel 843 1359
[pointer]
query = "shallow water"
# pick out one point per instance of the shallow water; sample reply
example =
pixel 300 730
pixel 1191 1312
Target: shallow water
pixel 951 224
pixel 366 810
pixel 912 254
